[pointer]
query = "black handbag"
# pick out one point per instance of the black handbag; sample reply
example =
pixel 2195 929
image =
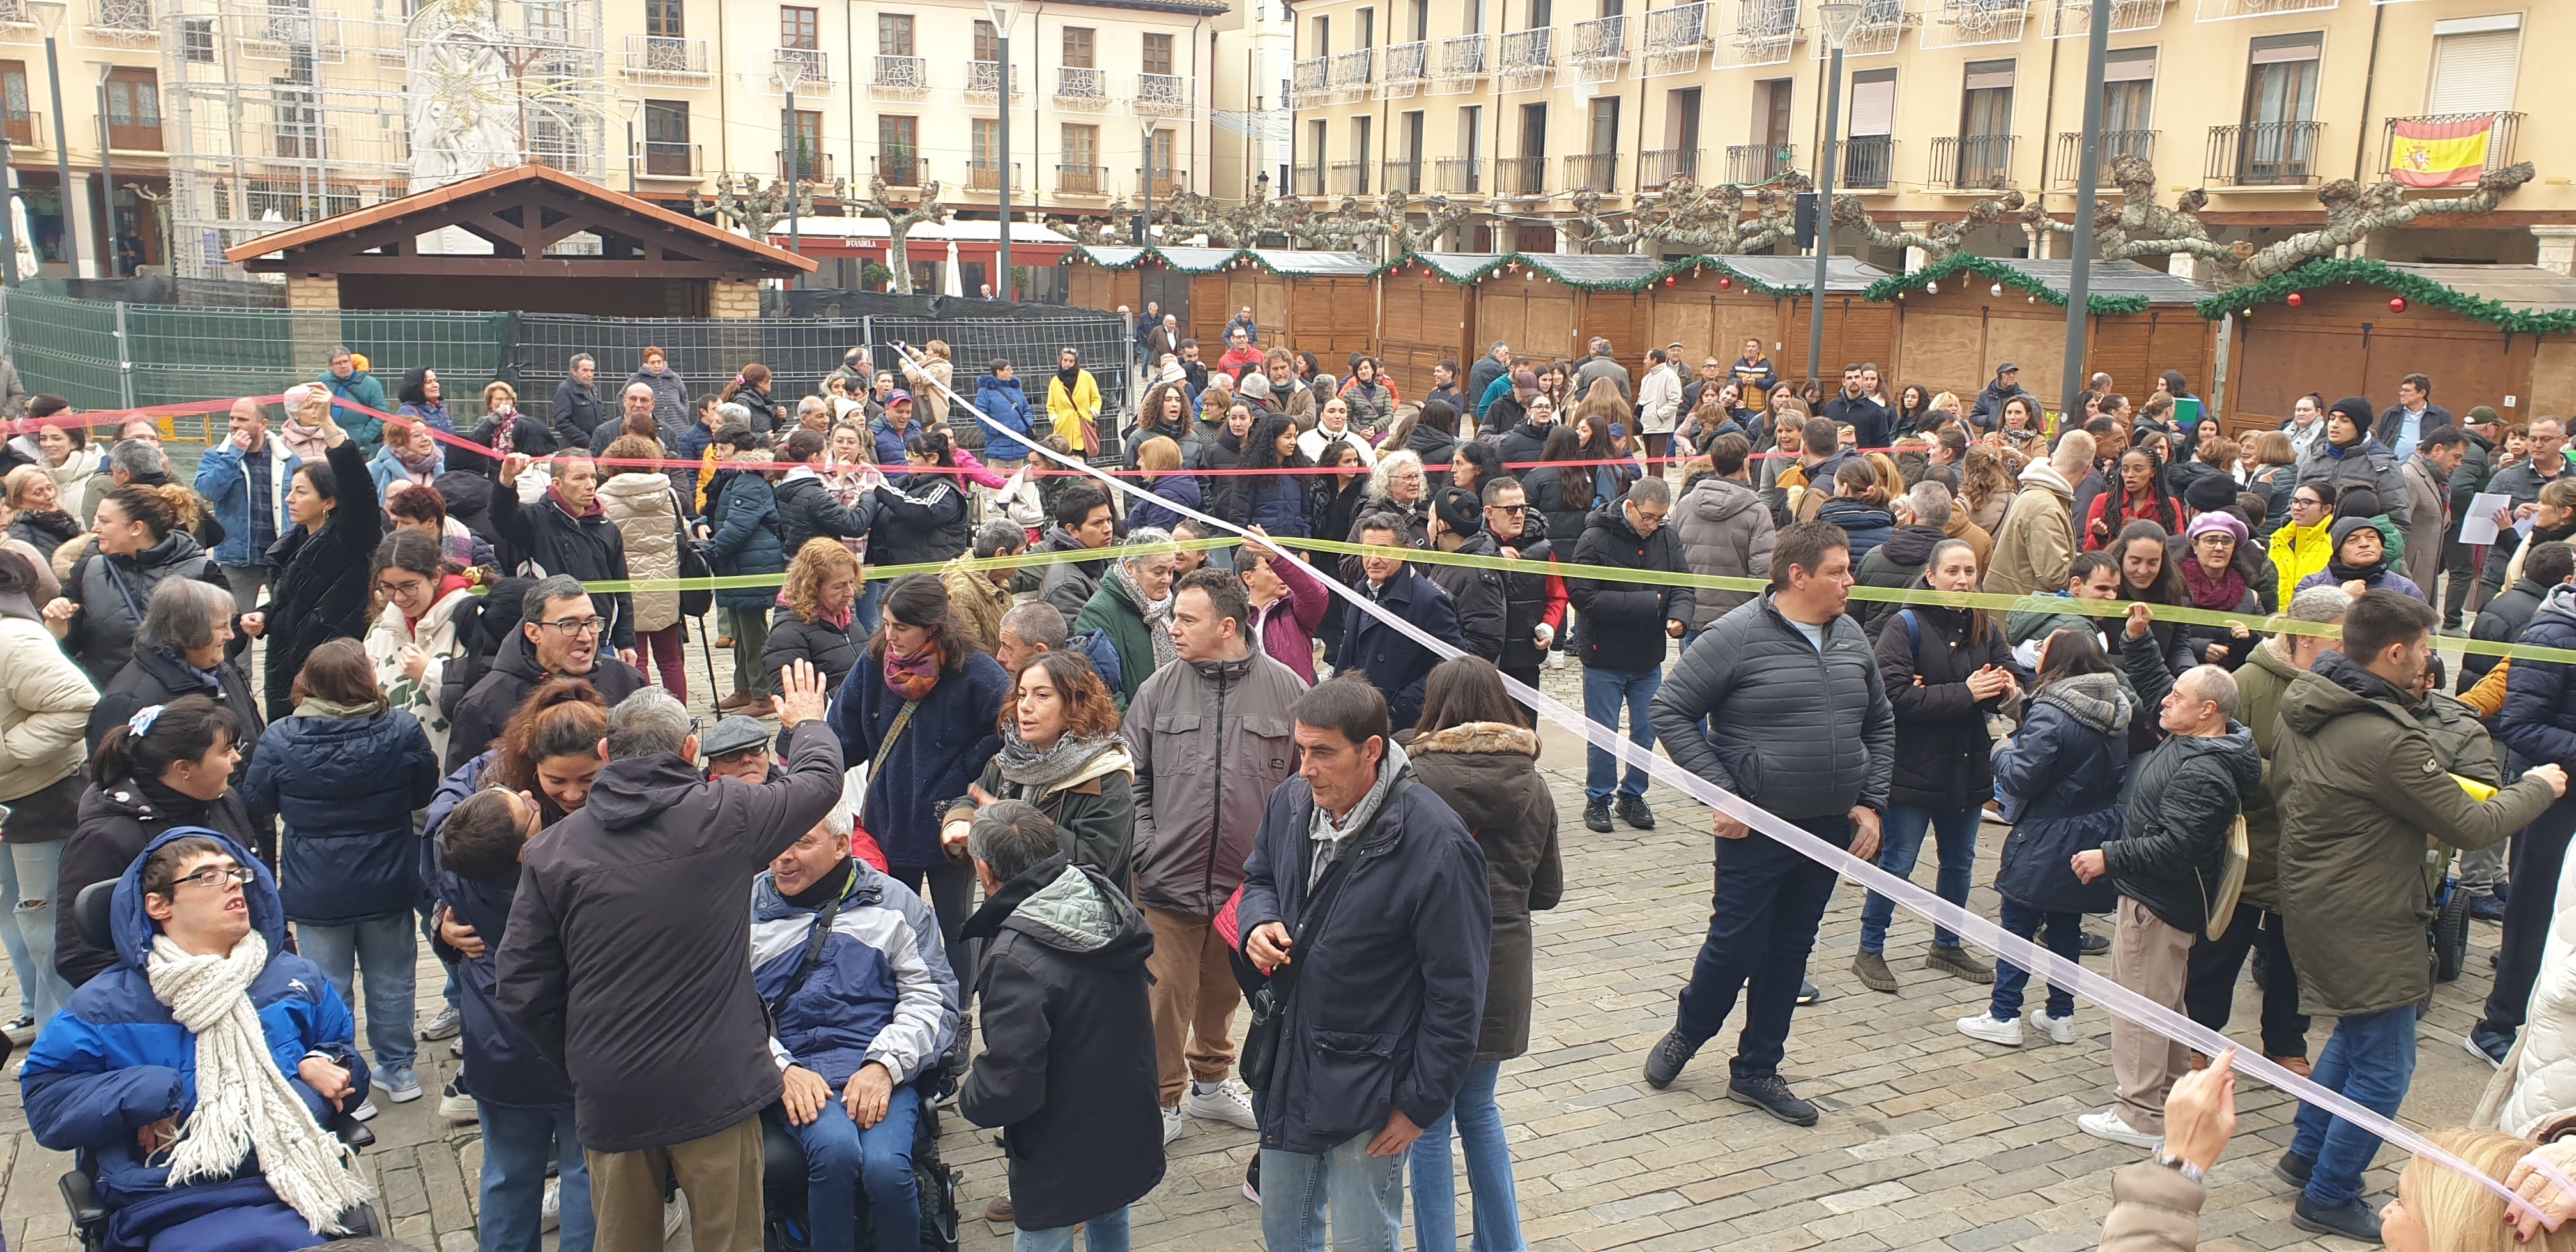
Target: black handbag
pixel 1260 1051
pixel 694 601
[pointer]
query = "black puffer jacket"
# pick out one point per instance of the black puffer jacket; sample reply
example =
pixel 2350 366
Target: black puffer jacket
pixel 1523 440
pixel 1525 600
pixel 1221 495
pixel 113 591
pixel 1800 732
pixel 1623 622
pixel 323 581
pixel 921 520
pixel 2174 847
pixel 588 547
pixel 1478 595
pixel 828 648
pixel 2501 621
pixel 1944 755
pixel 157 675
pixel 1564 512
pixel 117 821
pixel 479 717
pixel 806 510
pixel 1894 565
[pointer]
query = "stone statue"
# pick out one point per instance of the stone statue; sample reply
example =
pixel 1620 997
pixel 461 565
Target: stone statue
pixel 462 108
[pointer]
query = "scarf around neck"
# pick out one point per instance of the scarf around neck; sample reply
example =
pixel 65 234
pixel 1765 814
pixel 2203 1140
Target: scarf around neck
pixel 1035 769
pixel 913 677
pixel 420 466
pixel 2221 594
pixel 314 706
pixel 839 621
pixel 2368 574
pixel 596 509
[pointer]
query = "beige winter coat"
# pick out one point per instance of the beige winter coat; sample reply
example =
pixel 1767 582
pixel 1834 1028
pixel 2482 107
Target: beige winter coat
pixel 648 517
pixel 2036 545
pixel 2153 1209
pixel 44 708
pixel 929 401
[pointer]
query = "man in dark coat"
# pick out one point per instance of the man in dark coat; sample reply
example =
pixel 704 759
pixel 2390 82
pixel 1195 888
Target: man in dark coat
pixel 1853 406
pixel 1367 890
pixel 1532 610
pixel 2485 429
pixel 1458 525
pixel 1804 731
pixel 542 648
pixel 1067 1072
pixel 628 962
pixel 578 410
pixel 1496 362
pixel 1523 439
pixel 2538 726
pixel 1622 645
pixel 2509 613
pixel 1395 664
pixel 568 531
pixel 1922 521
pixel 2521 485
pixel 1988 412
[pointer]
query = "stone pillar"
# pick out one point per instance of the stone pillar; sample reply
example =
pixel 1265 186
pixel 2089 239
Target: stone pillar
pixel 734 298
pixel 2557 248
pixel 2043 242
pixel 1916 258
pixel 313 292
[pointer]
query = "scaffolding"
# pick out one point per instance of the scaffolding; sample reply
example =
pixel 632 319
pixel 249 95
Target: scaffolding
pixel 281 112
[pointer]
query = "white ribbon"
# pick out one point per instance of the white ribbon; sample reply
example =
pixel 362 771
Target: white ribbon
pixel 2113 998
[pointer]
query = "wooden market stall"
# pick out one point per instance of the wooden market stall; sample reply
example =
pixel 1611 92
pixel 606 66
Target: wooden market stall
pixel 1717 302
pixel 1427 314
pixel 1319 302
pixel 1960 317
pixel 2498 335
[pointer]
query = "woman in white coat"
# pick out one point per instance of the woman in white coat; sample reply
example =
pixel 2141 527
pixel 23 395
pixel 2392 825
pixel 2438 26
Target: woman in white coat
pixel 2538 1082
pixel 640 501
pixel 45 701
pixel 414 635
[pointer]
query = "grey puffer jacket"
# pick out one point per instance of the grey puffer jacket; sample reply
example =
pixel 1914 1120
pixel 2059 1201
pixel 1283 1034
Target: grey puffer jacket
pixel 1800 732
pixel 1726 532
pixel 2370 465
pixel 1210 739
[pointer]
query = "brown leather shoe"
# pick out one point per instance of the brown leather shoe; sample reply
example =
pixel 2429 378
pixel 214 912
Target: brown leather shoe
pixel 998 1211
pixel 760 706
pixel 735 701
pixel 2295 1064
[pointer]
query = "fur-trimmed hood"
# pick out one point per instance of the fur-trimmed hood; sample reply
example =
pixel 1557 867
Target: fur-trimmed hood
pixel 1485 737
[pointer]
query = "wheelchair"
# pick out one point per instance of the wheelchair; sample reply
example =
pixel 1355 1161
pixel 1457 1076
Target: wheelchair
pixel 91 911
pixel 782 1182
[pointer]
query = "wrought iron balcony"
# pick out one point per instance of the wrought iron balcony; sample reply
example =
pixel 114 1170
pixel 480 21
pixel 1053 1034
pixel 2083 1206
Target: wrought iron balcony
pixel 1676 38
pixel 1306 82
pixel 1520 176
pixel 1404 176
pixel 1752 163
pixel 122 21
pixel 1527 56
pixel 900 169
pixel 1457 63
pixel 1165 95
pixel 665 59
pixel 815 69
pixel 1350 178
pixel 1306 180
pixel 1080 88
pixel 1407 65
pixel 985 174
pixel 813 165
pixel 983 82
pixel 2502 129
pixel 1593 171
pixel 2263 154
pixel 1167 183
pixel 1081 180
pixel 1458 176
pixel 1597 52
pixel 899 78
pixel 1972 162
pixel 1866 161
pixel 1657 166
pixel 2115 143
pixel 671 159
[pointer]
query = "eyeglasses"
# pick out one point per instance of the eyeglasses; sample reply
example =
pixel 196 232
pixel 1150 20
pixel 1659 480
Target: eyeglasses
pixel 1513 509
pixel 2302 502
pixel 214 876
pixel 575 626
pixel 396 589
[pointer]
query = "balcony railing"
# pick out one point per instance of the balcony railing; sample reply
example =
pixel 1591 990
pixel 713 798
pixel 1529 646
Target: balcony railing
pixel 899 78
pixel 1762 31
pixel 1404 176
pixel 1657 166
pixel 2501 129
pixel 664 59
pixel 1676 38
pixel 122 21
pixel 1350 178
pixel 2223 10
pixel 26 128
pixel 1592 171
pixel 1082 180
pixel 1167 182
pixel 1962 23
pixel 1080 88
pixel 1752 163
pixel 1972 162
pixel 1526 59
pixel 1353 71
pixel 2115 143
pixel 983 82
pixel 1165 95
pixel 1458 176
pixel 1597 51
pixel 812 164
pixel 1865 161
pixel 2075 17
pixel 1520 176
pixel 1306 82
pixel 1457 63
pixel 1307 180
pixel 2263 154
pixel 14 13
pixel 816 66
pixel 899 169
pixel 672 159
pixel 1407 65
pixel 985 174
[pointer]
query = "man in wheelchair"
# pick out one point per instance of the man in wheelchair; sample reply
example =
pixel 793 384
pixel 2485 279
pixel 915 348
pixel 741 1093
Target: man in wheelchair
pixel 193 1077
pixel 861 1004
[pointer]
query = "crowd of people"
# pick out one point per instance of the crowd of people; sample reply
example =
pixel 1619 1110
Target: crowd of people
pixel 1025 838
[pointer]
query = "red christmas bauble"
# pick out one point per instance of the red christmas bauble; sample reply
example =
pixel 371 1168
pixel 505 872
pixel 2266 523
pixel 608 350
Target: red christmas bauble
pixel 2296 300
pixel 1724 283
pixel 2397 304
pixel 1668 280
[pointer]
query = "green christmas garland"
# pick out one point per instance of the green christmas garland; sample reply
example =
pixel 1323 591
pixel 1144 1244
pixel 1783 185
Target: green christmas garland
pixel 2003 272
pixel 2326 272
pixel 1232 258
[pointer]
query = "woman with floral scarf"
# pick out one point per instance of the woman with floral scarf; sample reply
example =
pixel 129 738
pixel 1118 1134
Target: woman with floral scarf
pixel 1061 751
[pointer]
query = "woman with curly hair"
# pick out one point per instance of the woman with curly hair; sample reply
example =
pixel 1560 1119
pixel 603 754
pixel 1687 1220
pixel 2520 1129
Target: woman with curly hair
pixel 1062 752
pixel 1275 502
pixel 1164 413
pixel 816 610
pixel 1985 486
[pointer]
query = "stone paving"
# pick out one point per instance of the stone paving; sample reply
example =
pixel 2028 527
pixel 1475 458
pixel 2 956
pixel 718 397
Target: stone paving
pixel 1929 1140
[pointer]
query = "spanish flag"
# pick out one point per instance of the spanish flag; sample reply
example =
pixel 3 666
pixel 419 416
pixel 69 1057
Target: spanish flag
pixel 2440 154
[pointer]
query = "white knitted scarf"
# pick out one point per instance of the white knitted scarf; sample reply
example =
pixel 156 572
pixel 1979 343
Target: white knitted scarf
pixel 243 1102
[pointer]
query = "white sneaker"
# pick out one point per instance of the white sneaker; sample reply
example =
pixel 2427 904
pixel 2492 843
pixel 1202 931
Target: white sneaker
pixel 1171 1124
pixel 550 1209
pixel 365 1112
pixel 2058 1029
pixel 1226 1101
pixel 457 1105
pixel 2107 1125
pixel 675 1214
pixel 1556 658
pixel 1986 1027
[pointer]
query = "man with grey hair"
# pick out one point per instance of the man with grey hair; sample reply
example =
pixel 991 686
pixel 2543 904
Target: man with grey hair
pixel 1028 629
pixel 1922 522
pixel 560 636
pixel 1598 366
pixel 627 961
pixel 1133 607
pixel 2036 543
pixel 2167 867
pixel 129 461
pixel 578 410
pixel 1485 379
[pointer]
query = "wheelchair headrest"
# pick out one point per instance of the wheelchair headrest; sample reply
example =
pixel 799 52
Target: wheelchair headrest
pixel 93 915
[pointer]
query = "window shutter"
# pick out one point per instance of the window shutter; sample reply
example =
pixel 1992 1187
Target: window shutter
pixel 2473 73
pixel 1873 107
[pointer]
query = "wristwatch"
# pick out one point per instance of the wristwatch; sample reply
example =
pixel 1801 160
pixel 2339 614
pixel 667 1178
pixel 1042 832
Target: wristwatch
pixel 2181 1166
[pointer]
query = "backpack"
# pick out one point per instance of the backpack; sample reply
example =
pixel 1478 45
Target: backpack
pixel 483 623
pixel 1094 645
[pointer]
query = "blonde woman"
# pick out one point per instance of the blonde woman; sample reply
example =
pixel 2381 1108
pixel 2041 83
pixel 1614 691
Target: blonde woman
pixel 934 367
pixel 816 609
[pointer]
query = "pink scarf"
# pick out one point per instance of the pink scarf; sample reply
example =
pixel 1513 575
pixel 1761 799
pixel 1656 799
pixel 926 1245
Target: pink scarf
pixel 913 677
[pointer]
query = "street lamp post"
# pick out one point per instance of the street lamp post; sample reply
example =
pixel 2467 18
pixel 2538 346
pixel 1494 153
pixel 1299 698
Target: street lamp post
pixel 791 71
pixel 1145 233
pixel 1004 13
pixel 49 16
pixel 2088 172
pixel 1835 21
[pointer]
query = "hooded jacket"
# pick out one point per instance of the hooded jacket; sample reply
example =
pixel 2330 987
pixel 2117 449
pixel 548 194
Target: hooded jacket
pixel 2368 464
pixel 1065 584
pixel 359 388
pixel 1067 1073
pixel 1487 772
pixel 1726 531
pixel 2358 787
pixel 45 702
pixel 2173 851
pixel 1005 404
pixel 832 650
pixel 920 520
pixel 1893 565
pixel 2299 551
pixel 2502 620
pixel 514 675
pixel 942 750
pixel 118 822
pixel 1943 750
pixel 501 1062
pixel 116 1060
pixel 2539 718
pixel 1211 740
pixel 1623 622
pixel 1118 610
pixel 223 482
pixel 2036 544
pixel 1389 1010
pixel 1478 596
pixel 807 510
pixel 743 535
pixel 589 547
pixel 1869 525
pixel 2065 767
pixel 2260 684
pixel 1523 440
pixel 114 591
pixel 881 990
pixel 627 959
pixel 646 511
pixel 1183 490
pixel 345 788
pixel 1801 732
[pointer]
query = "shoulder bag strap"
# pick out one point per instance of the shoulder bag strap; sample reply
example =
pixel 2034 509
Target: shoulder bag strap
pixel 1319 906
pixel 814 941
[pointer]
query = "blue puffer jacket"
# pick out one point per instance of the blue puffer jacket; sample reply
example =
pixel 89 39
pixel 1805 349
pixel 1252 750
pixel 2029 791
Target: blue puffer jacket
pixel 1278 506
pixel 742 513
pixel 942 751
pixel 1181 489
pixel 1002 400
pixel 346 788
pixel 115 1061
pixel 223 484
pixel 2539 719
pixel 882 990
pixel 502 1065
pixel 2064 769
pixel 360 387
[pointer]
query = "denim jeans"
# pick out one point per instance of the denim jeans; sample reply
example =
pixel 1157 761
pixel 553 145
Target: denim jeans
pixel 384 948
pixel 1105 1233
pixel 1604 691
pixel 2369 1061
pixel 28 876
pixel 517 1146
pixel 2065 938
pixel 1479 1125
pixel 840 1158
pixel 1362 1194
pixel 1761 926
pixel 1955 834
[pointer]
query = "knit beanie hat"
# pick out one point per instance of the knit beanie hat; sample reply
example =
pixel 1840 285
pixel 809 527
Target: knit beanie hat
pixel 2210 491
pixel 2356 408
pixel 1461 512
pixel 2344 529
pixel 2358 502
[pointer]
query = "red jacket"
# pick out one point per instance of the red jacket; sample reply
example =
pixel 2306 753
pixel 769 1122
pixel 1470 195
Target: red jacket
pixel 2112 506
pixel 1237 360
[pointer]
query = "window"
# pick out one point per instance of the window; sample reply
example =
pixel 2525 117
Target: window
pixel 662 19
pixel 2279 143
pixel 1541 13
pixel 1771 113
pixel 1077 47
pixel 197 39
pixel 1986 105
pixel 899 149
pixel 134 110
pixel 297 132
pixel 1870 150
pixel 15 116
pixel 1533 130
pixel 2475 61
pixel 1475 17
pixel 1471 132
pixel 1323 30
pixel 1413 137
pixel 1361 148
pixel 799 28
pixel 894 34
pixel 800 133
pixel 988 41
pixel 2129 92
pixel 1605 126
pixel 1421 10
pixel 1162 157
pixel 1158 54
pixel 666 139
pixel 1368 29
pixel 984 140
pixel 1081 146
